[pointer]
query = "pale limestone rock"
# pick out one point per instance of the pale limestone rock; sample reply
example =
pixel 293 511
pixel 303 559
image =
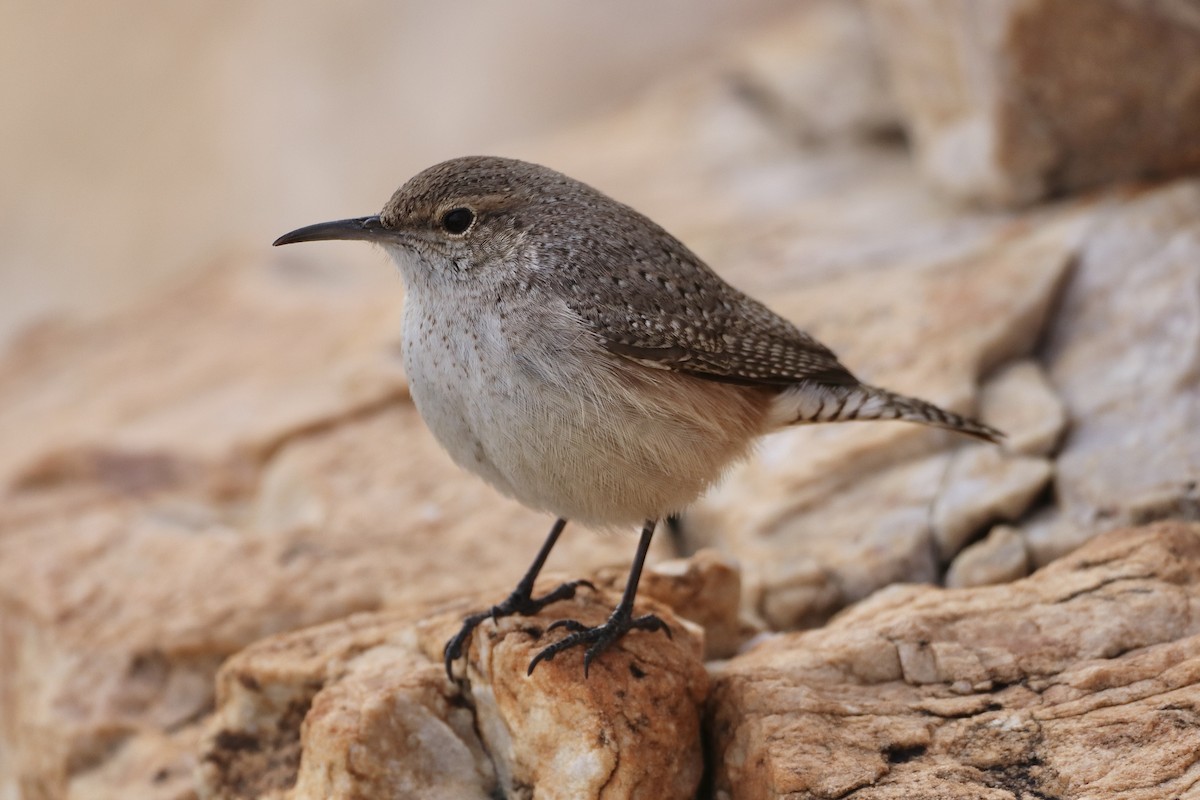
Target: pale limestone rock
pixel 1081 681
pixel 1012 100
pixel 362 708
pixel 1020 401
pixel 983 484
pixel 817 76
pixel 824 516
pixel 999 558
pixel 1123 351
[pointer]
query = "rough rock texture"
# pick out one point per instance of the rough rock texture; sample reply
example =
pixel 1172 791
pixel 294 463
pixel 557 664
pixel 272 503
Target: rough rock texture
pixel 361 708
pixel 1082 681
pixel 1013 100
pixel 824 516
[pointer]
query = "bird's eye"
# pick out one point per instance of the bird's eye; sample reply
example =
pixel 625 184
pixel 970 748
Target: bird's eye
pixel 457 220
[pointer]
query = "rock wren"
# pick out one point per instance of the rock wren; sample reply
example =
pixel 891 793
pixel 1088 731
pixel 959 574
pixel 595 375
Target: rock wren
pixel 582 360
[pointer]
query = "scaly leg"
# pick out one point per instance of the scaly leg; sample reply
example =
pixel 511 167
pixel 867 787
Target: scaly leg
pixel 619 623
pixel 521 601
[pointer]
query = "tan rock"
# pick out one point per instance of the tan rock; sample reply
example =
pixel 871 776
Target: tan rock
pixel 999 558
pixel 824 516
pixel 1013 100
pixel 362 708
pixel 151 764
pixel 365 695
pixel 115 620
pixel 1081 681
pixel 211 375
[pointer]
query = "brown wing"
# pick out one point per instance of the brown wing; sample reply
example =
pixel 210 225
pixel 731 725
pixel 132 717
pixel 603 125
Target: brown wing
pixel 698 324
pixel 781 355
pixel 650 299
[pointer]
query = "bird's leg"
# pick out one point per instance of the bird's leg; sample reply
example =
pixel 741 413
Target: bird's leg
pixel 520 601
pixel 619 623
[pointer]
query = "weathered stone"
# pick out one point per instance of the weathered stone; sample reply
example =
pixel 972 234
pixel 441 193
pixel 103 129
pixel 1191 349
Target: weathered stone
pixel 1049 536
pixel 1081 681
pixel 824 516
pixel 816 74
pixel 1020 401
pixel 982 485
pixel 1013 100
pixel 208 377
pixel 378 717
pixel 1122 353
pixel 999 558
pixel 362 708
pixel 116 619
pixel 631 729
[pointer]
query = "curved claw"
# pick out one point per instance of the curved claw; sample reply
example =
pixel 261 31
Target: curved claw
pixel 570 624
pixel 515 603
pixel 599 637
pixel 652 623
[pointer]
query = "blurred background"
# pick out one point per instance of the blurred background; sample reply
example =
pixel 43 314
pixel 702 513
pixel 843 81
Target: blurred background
pixel 141 139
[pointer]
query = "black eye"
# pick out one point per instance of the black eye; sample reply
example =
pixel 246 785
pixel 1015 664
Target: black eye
pixel 457 220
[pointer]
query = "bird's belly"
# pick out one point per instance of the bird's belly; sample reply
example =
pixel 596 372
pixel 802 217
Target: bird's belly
pixel 563 433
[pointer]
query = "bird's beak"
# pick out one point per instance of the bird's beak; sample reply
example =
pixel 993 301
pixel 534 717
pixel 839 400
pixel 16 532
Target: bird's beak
pixel 368 229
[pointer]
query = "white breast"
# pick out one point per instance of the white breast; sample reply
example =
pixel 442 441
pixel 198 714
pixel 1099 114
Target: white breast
pixel 526 399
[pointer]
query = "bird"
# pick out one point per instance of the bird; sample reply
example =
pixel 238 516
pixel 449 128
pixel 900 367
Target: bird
pixel 583 361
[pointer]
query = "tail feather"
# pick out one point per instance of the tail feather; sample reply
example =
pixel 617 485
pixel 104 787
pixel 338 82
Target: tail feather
pixel 821 403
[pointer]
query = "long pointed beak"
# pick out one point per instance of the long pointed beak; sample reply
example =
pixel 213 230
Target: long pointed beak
pixel 365 228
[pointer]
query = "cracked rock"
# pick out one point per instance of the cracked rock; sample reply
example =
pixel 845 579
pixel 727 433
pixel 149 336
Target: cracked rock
pixel 361 707
pixel 1081 681
pixel 823 516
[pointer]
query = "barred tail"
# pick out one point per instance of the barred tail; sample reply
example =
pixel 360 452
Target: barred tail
pixel 808 403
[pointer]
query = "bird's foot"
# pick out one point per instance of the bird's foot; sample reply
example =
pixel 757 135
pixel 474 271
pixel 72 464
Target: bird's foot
pixel 519 602
pixel 598 638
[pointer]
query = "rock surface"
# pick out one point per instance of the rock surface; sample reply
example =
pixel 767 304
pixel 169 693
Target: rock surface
pixel 1001 557
pixel 1124 354
pixel 361 707
pixel 817 75
pixel 824 516
pixel 1014 100
pixel 1082 681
